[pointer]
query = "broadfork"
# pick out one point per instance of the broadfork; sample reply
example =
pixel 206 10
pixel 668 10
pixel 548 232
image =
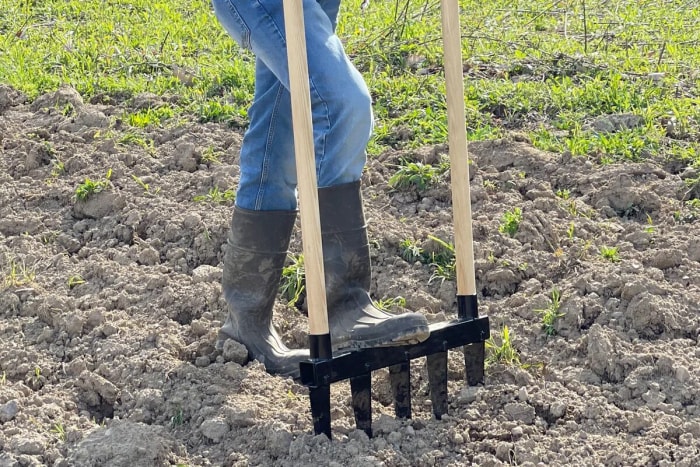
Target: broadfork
pixel 468 330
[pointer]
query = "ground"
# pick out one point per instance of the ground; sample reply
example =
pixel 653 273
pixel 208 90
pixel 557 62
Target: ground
pixel 110 305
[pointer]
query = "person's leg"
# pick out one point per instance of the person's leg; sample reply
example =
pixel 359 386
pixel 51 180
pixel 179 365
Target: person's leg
pixel 341 104
pixel 342 121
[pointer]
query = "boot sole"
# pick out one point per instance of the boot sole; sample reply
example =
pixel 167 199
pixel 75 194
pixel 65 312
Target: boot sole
pixel 416 336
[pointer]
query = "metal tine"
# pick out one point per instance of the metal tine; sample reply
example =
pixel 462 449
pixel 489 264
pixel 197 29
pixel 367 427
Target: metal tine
pixel 361 389
pixel 400 377
pixel 437 377
pixel 320 398
pixel 474 356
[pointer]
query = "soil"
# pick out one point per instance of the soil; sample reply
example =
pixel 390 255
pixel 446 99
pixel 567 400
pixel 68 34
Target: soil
pixel 110 306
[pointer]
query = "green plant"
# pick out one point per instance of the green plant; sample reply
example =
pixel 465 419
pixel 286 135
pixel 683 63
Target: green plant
pixel 501 350
pixel 551 314
pixel 293 280
pixel 410 250
pixel 215 195
pixel 3 379
pixel 60 431
pixel 387 304
pixel 74 281
pixel 145 186
pixel 211 156
pixel 563 193
pixel 17 274
pixel 510 222
pixel 178 418
pixel 417 175
pixel 570 231
pixel 610 253
pixel 90 187
pixel 442 260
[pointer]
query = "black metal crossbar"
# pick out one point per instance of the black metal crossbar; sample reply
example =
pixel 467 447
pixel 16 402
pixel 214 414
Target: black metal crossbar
pixel 357 366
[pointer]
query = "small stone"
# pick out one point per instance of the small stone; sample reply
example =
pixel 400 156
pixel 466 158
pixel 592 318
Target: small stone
pixel 686 439
pixel 149 256
pixel 206 273
pixel 214 429
pixel 32 446
pixel 9 411
pixel 457 439
pixel 520 412
pixel 522 394
pixel 517 432
pixel 503 451
pixel 557 409
pixel 682 374
pixel 235 352
pixel 202 362
pixel 637 423
pixel 468 394
pixel 394 437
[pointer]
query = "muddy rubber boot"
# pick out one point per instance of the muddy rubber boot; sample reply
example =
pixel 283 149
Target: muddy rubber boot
pixel 353 319
pixel 253 261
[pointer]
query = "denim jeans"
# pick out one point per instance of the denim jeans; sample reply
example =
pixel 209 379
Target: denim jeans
pixel 340 103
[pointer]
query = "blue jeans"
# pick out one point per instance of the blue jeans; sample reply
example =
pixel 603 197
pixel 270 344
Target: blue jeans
pixel 340 103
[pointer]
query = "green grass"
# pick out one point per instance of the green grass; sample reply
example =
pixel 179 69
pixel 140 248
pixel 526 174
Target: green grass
pixel 510 221
pixel 500 349
pixel 546 69
pixel 551 313
pixel 293 281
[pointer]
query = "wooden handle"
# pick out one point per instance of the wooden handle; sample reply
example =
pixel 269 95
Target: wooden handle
pixel 306 166
pixel 459 156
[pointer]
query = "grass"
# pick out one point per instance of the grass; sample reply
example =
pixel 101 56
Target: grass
pixel 216 196
pixel 546 69
pixel 510 221
pixel 610 253
pixel 293 281
pixel 387 304
pixel 417 175
pixel 551 313
pixel 91 187
pixel 500 350
pixel 16 273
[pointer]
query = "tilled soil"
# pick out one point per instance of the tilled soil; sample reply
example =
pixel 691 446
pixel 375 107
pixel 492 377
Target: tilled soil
pixel 110 306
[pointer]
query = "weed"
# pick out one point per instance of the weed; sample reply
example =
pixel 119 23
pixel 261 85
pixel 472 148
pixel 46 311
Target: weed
pixel 610 253
pixel 443 260
pixel 417 175
pixel 490 185
pixel 74 281
pixel 563 193
pixel 510 222
pixel 90 187
pixel 293 280
pixel 3 379
pixel 650 225
pixel 60 431
pixel 570 231
pixel 211 156
pixel 502 352
pixel 411 251
pixel 551 314
pixel 57 168
pixel 387 304
pixel 178 418
pixel 18 274
pixel 137 140
pixel 149 117
pixel 145 186
pixel 217 196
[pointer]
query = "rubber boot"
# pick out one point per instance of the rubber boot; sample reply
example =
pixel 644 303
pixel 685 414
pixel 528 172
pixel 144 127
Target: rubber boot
pixel 353 319
pixel 254 257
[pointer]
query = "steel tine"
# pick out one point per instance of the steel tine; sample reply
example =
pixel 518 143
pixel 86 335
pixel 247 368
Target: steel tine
pixel 400 378
pixel 320 398
pixel 437 377
pixel 361 389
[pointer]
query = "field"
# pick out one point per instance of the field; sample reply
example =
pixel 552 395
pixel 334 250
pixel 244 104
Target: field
pixel 120 126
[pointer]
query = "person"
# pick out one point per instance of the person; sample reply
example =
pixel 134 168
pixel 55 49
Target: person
pixel 266 201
